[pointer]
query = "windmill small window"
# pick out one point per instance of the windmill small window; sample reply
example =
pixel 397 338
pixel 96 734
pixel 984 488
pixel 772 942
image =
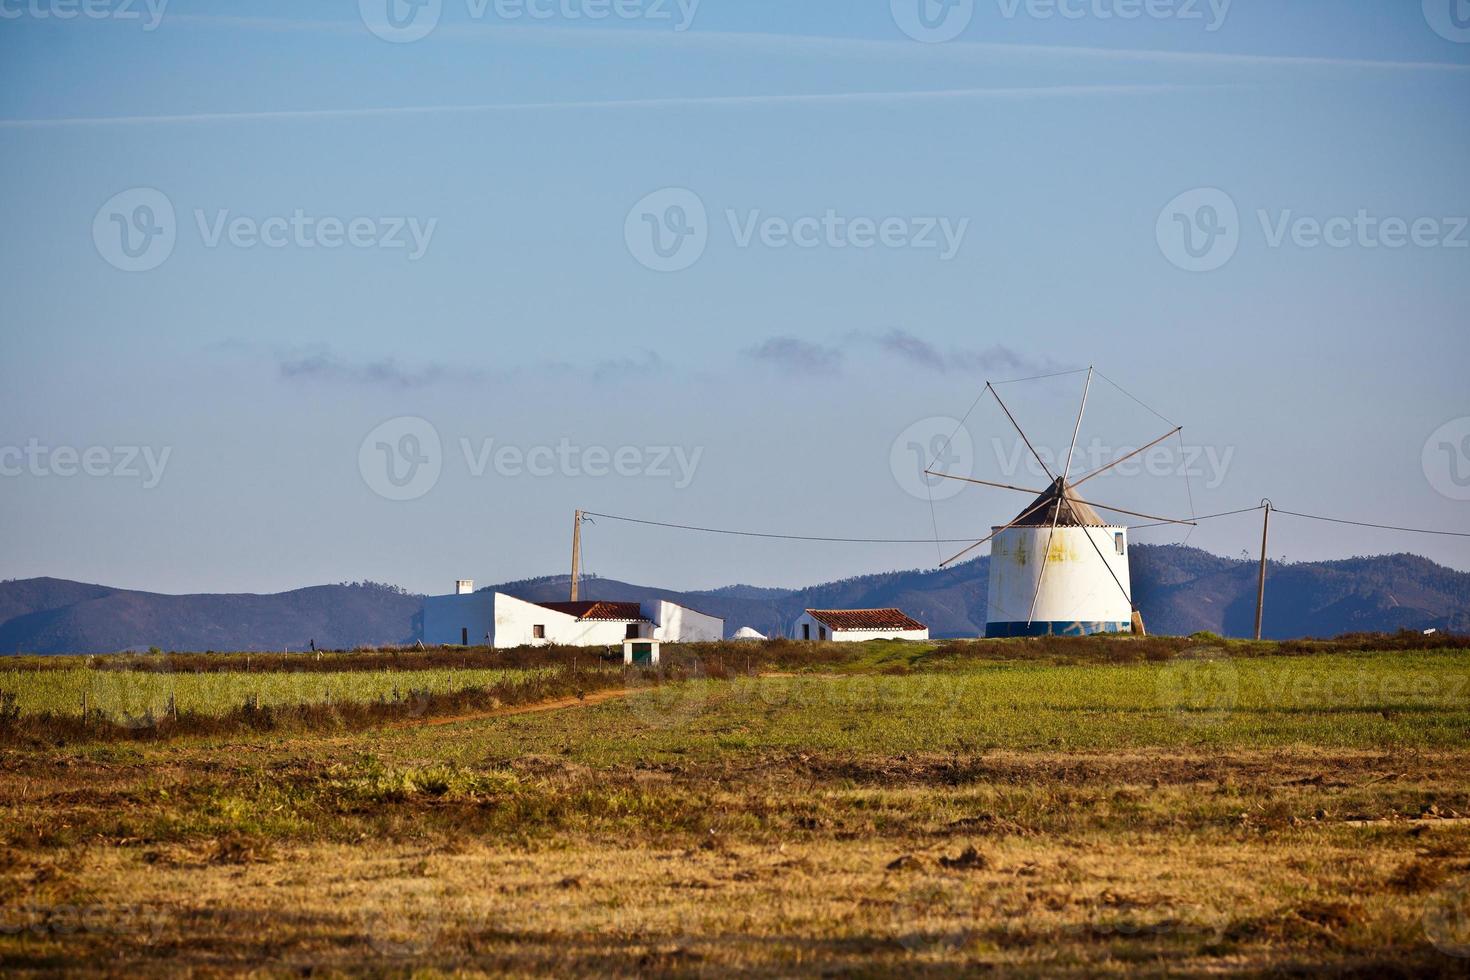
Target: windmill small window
pixel 1118 542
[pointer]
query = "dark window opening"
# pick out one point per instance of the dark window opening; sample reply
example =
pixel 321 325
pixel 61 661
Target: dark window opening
pixel 1118 542
pixel 538 632
pixel 464 636
pixel 806 631
pixel 632 633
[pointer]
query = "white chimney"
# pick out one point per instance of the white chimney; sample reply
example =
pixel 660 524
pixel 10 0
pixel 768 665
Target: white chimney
pixel 464 586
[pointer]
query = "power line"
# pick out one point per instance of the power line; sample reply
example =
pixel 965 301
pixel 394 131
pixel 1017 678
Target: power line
pixel 1381 527
pixel 781 537
pixel 970 540
pixel 1205 517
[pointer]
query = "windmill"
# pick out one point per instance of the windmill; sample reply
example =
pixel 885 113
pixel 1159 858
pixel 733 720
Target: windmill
pixel 1058 568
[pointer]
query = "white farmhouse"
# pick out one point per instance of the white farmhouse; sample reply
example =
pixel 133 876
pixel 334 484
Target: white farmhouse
pixel 857 625
pixel 495 619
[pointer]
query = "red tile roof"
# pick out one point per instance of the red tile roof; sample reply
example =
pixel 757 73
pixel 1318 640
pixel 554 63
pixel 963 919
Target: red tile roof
pixel 627 612
pixel 865 619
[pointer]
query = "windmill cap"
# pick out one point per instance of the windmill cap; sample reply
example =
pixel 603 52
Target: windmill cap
pixel 1059 505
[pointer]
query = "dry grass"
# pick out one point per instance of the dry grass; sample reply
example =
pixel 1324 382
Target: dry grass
pixel 706 835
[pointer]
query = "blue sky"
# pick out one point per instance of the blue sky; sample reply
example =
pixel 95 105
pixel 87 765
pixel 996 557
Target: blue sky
pixel 1066 156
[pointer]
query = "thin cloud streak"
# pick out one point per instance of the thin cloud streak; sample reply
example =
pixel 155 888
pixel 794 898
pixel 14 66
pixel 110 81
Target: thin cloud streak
pixel 997 94
pixel 824 45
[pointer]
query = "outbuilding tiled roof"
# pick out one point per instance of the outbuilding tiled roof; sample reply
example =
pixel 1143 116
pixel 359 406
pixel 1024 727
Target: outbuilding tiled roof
pixel 625 612
pixel 865 619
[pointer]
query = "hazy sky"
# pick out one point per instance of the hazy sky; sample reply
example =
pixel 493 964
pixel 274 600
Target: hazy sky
pixel 385 293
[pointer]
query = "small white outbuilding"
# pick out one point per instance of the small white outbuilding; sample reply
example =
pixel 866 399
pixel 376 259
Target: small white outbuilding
pixel 857 625
pixel 746 633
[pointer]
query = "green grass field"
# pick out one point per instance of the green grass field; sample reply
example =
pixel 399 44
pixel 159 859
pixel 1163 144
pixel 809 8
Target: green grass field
pixel 906 809
pixel 131 696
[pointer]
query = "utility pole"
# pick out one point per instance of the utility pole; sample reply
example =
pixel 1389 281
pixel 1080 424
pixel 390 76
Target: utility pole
pixel 576 551
pixel 1261 583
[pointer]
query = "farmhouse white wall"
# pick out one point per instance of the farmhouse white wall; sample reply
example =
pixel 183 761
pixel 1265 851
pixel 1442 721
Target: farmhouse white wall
pixel 510 622
pixel 679 624
pixel 1078 587
pixel 456 619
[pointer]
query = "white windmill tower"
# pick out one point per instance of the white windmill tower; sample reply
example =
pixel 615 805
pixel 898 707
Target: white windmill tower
pixel 1058 568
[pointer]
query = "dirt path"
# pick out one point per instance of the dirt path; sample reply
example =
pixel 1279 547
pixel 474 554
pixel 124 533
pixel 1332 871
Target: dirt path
pixel 596 697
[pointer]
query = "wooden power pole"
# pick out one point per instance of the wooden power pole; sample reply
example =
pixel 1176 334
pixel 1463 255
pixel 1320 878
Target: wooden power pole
pixel 577 551
pixel 1261 582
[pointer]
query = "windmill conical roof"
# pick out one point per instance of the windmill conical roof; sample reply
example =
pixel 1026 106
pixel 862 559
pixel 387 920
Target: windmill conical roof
pixel 1074 511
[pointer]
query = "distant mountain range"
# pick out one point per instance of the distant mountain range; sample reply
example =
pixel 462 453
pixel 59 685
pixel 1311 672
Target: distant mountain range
pixel 1179 590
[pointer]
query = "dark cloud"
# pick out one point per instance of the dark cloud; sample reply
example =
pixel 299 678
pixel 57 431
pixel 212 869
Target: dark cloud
pixel 384 372
pixel 792 355
pixel 919 352
pixel 638 365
